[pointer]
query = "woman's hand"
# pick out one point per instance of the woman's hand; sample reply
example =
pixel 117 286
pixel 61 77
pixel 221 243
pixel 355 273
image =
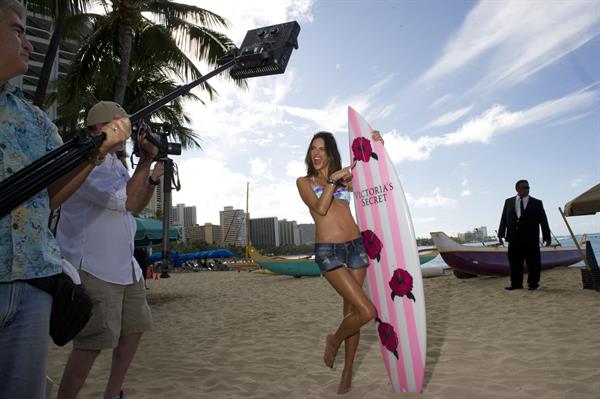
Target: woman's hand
pixel 342 174
pixel 376 136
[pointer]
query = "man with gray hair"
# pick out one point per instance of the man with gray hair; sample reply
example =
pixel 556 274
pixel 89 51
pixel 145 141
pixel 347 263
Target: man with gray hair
pixel 28 251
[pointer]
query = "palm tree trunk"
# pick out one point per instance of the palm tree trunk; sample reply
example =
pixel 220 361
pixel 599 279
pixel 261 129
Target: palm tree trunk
pixel 44 78
pixel 125 44
pixel 128 10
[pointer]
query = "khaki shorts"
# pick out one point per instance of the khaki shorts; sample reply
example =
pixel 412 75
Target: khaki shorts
pixel 118 310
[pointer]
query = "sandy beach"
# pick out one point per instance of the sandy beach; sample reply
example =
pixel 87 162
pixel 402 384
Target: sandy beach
pixel 245 335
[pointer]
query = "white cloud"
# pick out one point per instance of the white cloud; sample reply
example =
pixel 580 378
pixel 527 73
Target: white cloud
pixel 246 15
pixel 481 129
pixel 426 220
pixel 210 185
pixel 443 99
pixel 449 117
pixel 431 200
pixel 333 116
pixel 578 181
pixel 465 192
pixel 295 168
pixel 381 113
pixel 523 36
pixel 279 199
pixel 403 148
pixel 261 169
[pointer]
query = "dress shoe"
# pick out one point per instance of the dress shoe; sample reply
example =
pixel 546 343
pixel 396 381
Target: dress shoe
pixel 513 288
pixel 533 288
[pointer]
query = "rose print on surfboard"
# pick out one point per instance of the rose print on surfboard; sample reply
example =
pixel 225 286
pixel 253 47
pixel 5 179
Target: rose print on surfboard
pixel 361 148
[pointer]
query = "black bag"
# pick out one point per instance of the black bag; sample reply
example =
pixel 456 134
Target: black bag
pixel 71 306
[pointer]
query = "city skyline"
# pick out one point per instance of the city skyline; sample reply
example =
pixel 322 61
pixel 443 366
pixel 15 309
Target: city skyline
pixel 478 232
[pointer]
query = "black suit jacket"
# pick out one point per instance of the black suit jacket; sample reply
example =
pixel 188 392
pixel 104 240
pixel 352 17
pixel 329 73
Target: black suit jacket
pixel 526 229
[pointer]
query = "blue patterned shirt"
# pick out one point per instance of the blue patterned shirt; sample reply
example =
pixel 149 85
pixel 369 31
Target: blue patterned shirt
pixel 27 248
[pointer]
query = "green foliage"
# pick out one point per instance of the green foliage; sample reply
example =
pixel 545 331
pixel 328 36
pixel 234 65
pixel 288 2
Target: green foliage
pixel 168 38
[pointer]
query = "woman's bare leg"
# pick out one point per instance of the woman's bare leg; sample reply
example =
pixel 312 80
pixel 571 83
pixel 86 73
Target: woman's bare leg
pixel 361 313
pixel 350 343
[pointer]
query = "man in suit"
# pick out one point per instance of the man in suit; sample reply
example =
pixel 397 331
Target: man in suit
pixel 521 217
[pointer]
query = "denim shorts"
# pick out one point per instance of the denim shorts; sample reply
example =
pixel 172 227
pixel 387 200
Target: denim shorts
pixel 351 254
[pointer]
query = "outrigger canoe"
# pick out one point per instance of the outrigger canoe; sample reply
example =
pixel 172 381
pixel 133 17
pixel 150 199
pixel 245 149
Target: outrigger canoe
pixel 307 267
pixel 492 260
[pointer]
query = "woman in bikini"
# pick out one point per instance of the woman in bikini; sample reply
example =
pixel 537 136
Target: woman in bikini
pixel 326 190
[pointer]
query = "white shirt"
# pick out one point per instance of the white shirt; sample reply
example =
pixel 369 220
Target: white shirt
pixel 95 231
pixel 518 204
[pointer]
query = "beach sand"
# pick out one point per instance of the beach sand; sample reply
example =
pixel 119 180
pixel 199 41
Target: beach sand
pixel 244 335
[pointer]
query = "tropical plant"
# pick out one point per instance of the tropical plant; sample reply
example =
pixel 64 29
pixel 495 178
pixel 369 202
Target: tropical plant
pixel 191 28
pixel 153 60
pixel 58 10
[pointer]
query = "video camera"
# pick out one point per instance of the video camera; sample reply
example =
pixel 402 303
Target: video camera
pixel 157 134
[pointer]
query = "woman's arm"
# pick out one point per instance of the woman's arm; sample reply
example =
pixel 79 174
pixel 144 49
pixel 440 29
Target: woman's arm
pixel 319 205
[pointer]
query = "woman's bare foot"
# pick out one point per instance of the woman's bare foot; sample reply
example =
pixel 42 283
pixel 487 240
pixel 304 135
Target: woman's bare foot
pixel 330 351
pixel 345 382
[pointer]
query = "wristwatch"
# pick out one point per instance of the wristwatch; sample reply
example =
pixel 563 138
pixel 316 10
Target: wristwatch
pixel 331 181
pixel 153 182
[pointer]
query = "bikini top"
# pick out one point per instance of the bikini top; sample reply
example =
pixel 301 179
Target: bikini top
pixel 341 193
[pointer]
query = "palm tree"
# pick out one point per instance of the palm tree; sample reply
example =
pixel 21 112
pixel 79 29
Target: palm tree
pixel 191 27
pixel 155 58
pixel 150 79
pixel 58 10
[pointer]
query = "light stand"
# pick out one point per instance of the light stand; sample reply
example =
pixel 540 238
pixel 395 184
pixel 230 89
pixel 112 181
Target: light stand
pixel 167 188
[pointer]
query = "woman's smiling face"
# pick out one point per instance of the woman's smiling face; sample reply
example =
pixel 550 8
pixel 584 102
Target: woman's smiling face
pixel 318 154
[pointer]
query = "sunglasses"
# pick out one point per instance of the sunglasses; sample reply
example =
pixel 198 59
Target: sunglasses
pixel 525 188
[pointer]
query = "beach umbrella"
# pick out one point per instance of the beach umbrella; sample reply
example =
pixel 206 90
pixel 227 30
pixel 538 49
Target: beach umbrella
pixel 587 203
pixel 149 232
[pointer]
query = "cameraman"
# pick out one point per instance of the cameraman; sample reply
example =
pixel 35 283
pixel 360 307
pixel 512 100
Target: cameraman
pixel 27 248
pixel 96 234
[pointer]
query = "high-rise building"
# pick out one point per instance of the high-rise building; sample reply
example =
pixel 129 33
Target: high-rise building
pixel 189 216
pixel 156 202
pixel 288 232
pixel 264 232
pixel 307 233
pixel 177 215
pixel 233 226
pixel 211 233
pixel 194 233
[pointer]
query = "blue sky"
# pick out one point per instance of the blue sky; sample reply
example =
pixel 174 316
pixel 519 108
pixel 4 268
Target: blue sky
pixel 469 96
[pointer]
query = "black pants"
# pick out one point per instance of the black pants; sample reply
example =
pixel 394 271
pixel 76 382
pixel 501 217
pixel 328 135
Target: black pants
pixel 518 252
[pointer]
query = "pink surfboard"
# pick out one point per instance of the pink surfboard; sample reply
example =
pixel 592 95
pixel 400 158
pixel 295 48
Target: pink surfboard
pixel 394 279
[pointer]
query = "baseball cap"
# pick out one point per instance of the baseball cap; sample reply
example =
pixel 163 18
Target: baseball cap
pixel 103 112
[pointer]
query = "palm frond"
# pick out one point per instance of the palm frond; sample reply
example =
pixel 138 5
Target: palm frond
pixel 166 11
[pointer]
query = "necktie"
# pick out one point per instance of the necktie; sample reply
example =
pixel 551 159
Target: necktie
pixel 521 206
